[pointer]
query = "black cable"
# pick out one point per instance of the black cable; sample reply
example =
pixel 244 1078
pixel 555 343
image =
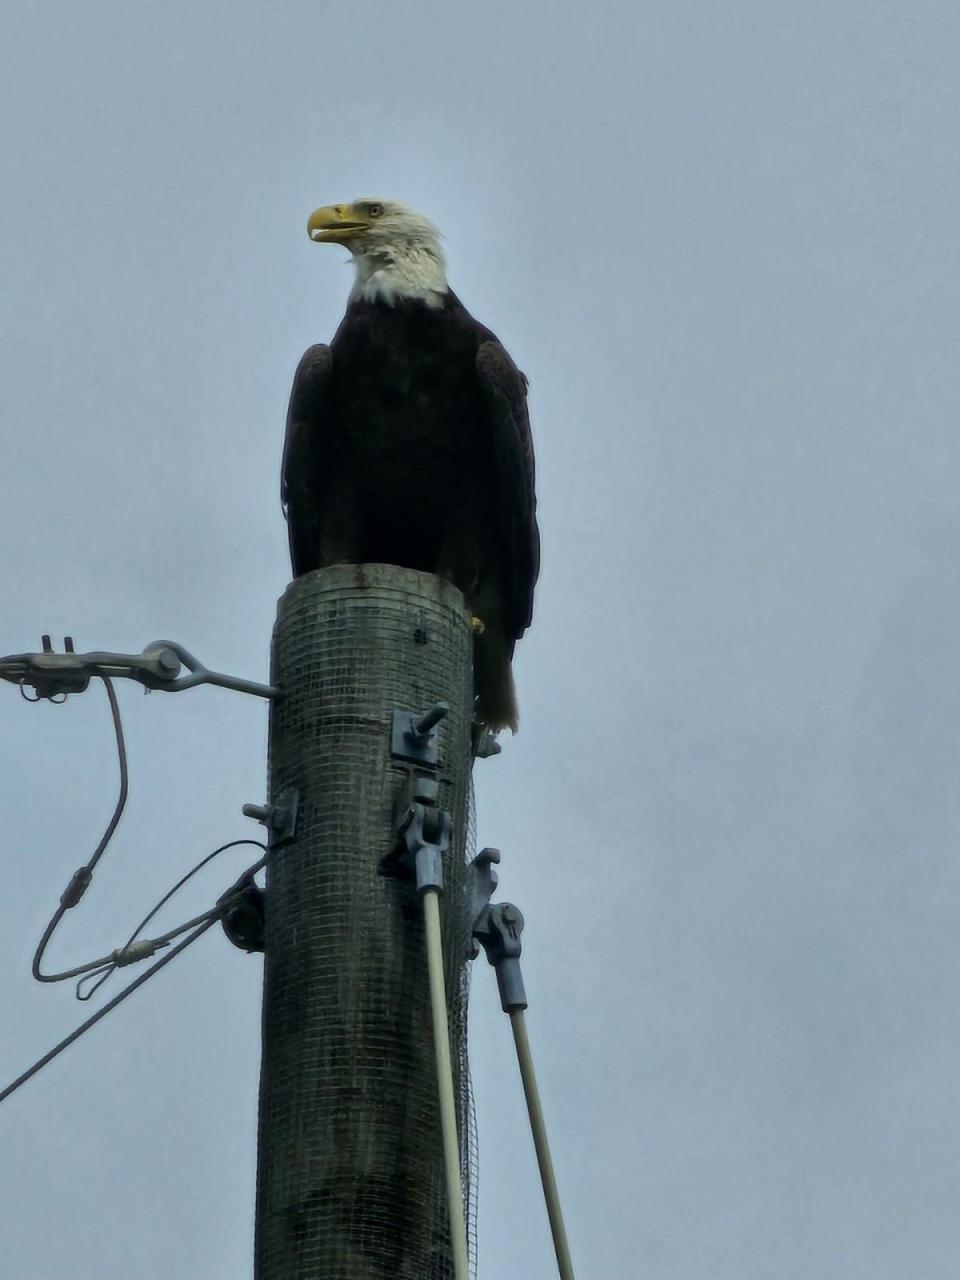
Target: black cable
pixel 111 961
pixel 212 916
pixel 105 967
pixel 101 1013
pixel 80 880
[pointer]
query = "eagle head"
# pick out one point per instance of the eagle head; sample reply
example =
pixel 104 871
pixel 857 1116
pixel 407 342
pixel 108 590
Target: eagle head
pixel 395 250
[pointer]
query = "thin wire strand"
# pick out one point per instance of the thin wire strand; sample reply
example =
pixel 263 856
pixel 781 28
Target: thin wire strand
pixel 101 1013
pixel 110 962
pixel 214 914
pixel 86 970
pixel 83 876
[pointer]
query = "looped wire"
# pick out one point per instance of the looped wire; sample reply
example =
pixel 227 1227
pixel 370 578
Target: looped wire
pixel 83 876
pixel 58 699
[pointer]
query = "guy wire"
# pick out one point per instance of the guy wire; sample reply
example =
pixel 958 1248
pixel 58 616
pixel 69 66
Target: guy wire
pixel 101 1013
pixel 212 916
pixel 109 963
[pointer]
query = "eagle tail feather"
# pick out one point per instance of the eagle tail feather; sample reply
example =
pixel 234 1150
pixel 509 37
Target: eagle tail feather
pixel 493 681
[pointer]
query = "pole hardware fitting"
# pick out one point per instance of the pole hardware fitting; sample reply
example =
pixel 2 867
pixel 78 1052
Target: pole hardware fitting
pixel 78 886
pixel 142 949
pixel 481 883
pixel 243 920
pixel 424 831
pixel 414 737
pixel 484 742
pixel 497 928
pixel 244 913
pixel 500 939
pixel 280 819
pixel 164 664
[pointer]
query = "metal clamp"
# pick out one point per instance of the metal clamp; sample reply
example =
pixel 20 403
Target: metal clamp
pixel 484 742
pixel 424 831
pixel 500 939
pixel 244 903
pixel 497 928
pixel 481 885
pixel 160 666
pixel 243 918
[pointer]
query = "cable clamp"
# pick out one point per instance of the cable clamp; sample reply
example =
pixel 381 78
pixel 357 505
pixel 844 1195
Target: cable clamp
pixel 140 950
pixel 424 831
pixel 243 911
pixel 78 886
pixel 497 928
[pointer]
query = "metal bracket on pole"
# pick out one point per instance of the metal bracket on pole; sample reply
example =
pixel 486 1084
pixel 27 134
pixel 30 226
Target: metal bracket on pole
pixel 497 928
pixel 280 819
pixel 243 914
pixel 481 886
pixel 413 737
pixel 243 919
pixel 160 666
pixel 500 938
pixel 424 832
pixel 484 742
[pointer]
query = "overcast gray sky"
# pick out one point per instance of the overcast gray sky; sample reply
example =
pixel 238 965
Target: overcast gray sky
pixel 722 241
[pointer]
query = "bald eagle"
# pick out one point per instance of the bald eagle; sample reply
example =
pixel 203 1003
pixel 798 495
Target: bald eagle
pixel 408 440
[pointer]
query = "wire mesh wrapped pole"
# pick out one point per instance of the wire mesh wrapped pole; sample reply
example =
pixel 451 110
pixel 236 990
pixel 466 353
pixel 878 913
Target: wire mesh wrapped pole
pixel 350 1180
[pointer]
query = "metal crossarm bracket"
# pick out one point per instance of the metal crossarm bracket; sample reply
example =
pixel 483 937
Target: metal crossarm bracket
pixel 160 666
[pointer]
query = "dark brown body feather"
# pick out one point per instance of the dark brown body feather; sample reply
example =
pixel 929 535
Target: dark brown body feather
pixel 408 443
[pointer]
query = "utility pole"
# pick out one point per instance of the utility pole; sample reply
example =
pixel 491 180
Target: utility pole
pixel 369 915
pixel 350 1176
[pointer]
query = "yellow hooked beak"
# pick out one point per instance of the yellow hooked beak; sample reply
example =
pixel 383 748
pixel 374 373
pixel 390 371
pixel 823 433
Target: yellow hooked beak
pixel 337 223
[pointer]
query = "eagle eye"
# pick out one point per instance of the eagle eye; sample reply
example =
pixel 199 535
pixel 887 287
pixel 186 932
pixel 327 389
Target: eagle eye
pixel 374 210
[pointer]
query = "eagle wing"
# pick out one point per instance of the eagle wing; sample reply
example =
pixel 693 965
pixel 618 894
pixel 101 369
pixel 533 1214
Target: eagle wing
pixel 301 491
pixel 505 391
